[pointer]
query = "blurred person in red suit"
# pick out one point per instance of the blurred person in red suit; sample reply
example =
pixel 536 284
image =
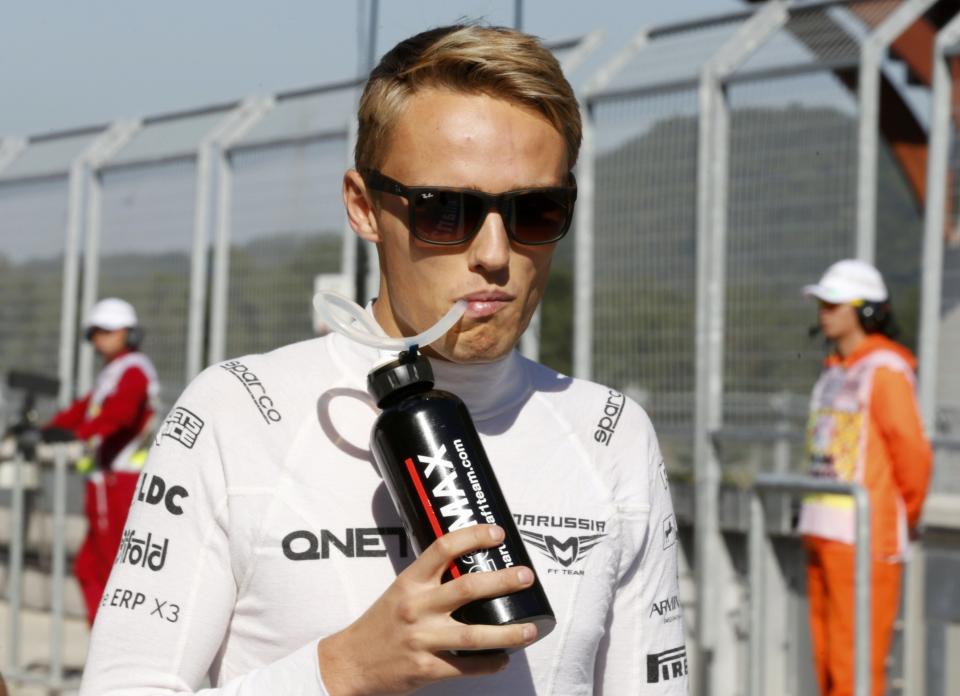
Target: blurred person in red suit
pixel 112 420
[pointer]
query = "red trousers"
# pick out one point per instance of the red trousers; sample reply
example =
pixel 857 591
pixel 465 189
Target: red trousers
pixel 830 589
pixel 107 502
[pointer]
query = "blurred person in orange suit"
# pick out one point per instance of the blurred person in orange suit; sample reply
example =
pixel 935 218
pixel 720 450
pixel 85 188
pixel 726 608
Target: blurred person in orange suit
pixel 112 419
pixel 864 427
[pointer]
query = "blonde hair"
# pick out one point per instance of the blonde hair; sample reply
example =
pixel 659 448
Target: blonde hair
pixel 471 59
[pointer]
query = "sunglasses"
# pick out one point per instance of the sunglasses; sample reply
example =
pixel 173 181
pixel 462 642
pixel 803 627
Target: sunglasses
pixel 441 215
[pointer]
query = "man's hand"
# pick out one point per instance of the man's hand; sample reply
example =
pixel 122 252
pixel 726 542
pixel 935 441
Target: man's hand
pixel 402 641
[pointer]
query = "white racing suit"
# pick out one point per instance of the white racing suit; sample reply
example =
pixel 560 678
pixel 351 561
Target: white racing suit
pixel 261 525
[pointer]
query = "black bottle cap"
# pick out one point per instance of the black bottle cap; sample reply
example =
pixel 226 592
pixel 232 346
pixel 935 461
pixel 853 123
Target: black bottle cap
pixel 410 369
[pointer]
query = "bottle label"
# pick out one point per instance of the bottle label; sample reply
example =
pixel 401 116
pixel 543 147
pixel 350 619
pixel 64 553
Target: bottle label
pixel 454 494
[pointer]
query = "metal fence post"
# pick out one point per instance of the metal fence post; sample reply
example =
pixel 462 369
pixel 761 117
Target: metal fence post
pixel 58 563
pixel 15 581
pixel 935 222
pixel 874 48
pixel 758 599
pixel 214 177
pixel 583 254
pixel 764 483
pixel 348 247
pixel 79 175
pixel 88 191
pixel 712 175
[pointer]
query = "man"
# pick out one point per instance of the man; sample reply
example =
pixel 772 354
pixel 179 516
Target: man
pixel 282 565
pixel 864 427
pixel 111 419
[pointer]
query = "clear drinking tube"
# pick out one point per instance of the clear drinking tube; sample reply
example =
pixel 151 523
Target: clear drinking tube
pixel 326 301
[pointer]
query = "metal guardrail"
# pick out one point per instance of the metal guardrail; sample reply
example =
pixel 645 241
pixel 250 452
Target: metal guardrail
pixel 945 443
pixel 770 483
pixel 53 679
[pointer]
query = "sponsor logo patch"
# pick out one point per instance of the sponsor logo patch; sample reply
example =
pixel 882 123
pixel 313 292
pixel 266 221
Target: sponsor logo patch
pixel 454 493
pixel 256 390
pixel 133 600
pixel 355 542
pixel 182 426
pixel 663 475
pixel 610 419
pixel 153 490
pixel 667 665
pixel 668 610
pixel 145 552
pixel 565 550
pixel 669 525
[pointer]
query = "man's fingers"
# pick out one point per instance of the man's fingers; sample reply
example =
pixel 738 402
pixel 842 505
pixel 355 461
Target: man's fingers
pixel 441 553
pixel 472 586
pixel 464 637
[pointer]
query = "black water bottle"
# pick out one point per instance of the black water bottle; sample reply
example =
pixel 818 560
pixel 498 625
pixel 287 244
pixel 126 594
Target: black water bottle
pixel 435 468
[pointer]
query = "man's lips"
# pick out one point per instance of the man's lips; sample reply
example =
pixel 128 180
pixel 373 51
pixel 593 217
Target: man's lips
pixel 485 304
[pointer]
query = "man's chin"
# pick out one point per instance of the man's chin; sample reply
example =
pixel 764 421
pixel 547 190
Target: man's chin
pixel 468 348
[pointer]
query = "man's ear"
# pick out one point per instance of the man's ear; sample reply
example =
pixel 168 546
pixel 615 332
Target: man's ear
pixel 360 213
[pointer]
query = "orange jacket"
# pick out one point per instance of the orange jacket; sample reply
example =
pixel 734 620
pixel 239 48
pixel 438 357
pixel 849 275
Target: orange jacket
pixel 865 427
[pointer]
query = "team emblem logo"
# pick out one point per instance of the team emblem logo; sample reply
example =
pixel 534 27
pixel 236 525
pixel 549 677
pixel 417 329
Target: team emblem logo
pixel 567 552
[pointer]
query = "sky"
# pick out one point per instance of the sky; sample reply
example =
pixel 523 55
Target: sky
pixel 71 63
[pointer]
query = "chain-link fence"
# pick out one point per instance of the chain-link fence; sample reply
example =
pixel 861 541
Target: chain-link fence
pixel 645 227
pixel 33 215
pixel 287 220
pixel 145 249
pixel 645 224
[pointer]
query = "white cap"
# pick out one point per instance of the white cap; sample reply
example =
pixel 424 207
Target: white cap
pixel 847 281
pixel 111 314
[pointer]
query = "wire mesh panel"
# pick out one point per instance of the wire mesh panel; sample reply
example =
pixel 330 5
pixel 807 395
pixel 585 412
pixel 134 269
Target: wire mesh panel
pixel 287 227
pixel 645 263
pixel 791 213
pixel 33 221
pixel 821 35
pixel 673 56
pixel 146 241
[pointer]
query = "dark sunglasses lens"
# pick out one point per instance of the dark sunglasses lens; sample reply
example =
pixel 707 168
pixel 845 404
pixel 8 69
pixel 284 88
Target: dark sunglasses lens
pixel 446 217
pixel 540 217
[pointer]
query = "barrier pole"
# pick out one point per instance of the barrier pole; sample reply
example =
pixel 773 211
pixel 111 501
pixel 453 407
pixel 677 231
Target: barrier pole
pixel 14 584
pixel 765 483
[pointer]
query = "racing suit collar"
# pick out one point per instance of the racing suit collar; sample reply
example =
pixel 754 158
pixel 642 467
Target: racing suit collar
pixel 488 389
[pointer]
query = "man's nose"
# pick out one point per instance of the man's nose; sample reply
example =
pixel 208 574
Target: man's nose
pixel 490 249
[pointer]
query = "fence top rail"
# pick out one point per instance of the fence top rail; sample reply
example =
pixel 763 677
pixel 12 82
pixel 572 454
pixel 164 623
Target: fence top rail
pixel 795 483
pixel 313 90
pixel 740 15
pixel 945 443
pixel 206 110
pixel 299 115
pixel 821 36
pixel 51 155
pixel 68 133
pixel 757 435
